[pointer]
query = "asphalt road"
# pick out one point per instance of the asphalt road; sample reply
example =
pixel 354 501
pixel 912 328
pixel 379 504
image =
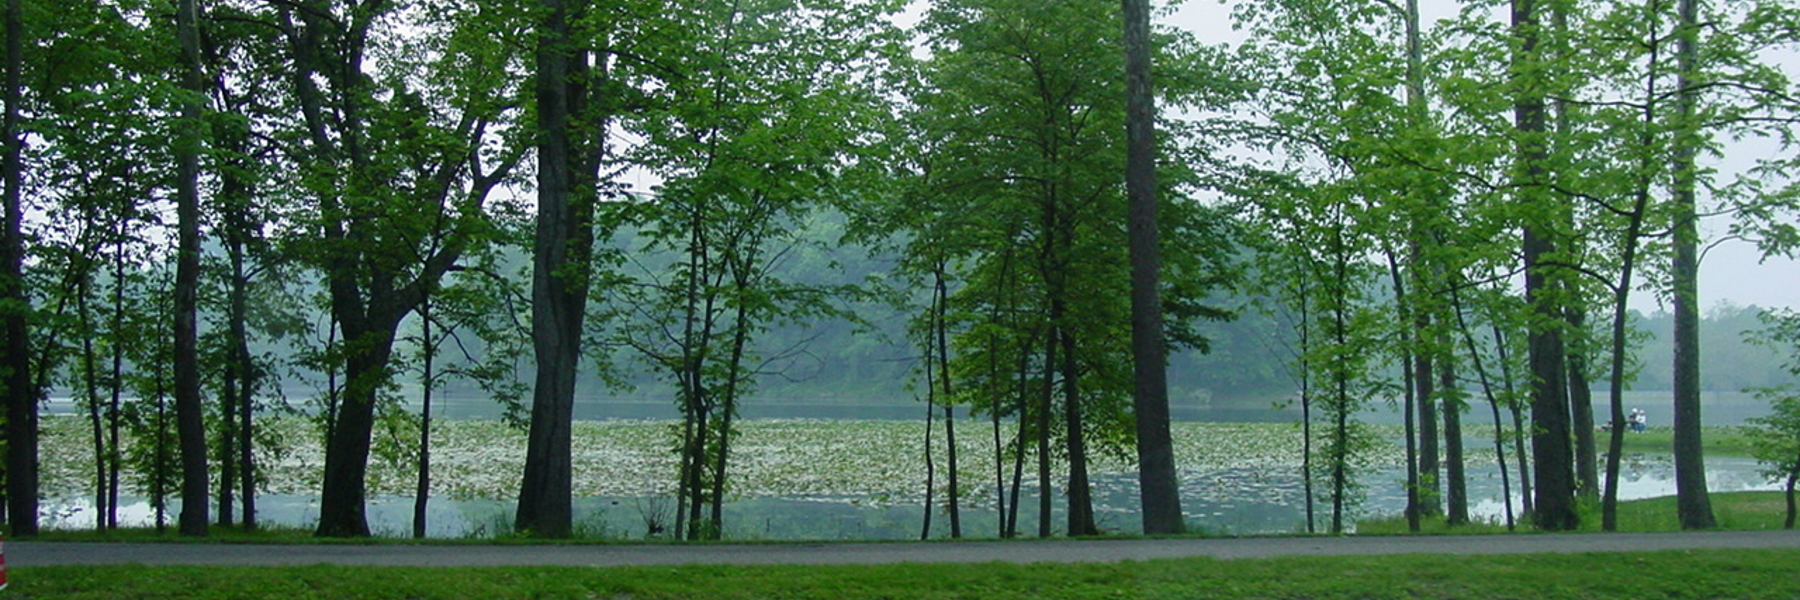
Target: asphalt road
pixel 30 554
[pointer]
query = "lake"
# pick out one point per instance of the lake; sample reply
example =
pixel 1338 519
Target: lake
pixel 815 479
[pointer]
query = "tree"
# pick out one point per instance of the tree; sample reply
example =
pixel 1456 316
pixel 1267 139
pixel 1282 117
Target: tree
pixel 563 250
pixel 1693 505
pixel 189 414
pixel 1550 442
pixel 745 132
pixel 374 191
pixel 1045 98
pixel 1159 488
pixel 247 210
pixel 1775 438
pixel 21 395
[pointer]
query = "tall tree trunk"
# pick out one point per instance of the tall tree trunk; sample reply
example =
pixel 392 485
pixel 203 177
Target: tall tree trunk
pixel 930 460
pixel 91 396
pixel 950 467
pixel 740 337
pixel 1415 509
pixel 1081 501
pixel 564 242
pixel 1339 450
pixel 1487 388
pixel 942 334
pixel 21 397
pixel 1022 396
pixel 343 493
pixel 697 473
pixel 995 376
pixel 1306 425
pixel 1424 382
pixel 1425 268
pixel 1046 408
pixel 1549 391
pixel 1000 504
pixel 1609 504
pixel 238 404
pixel 159 490
pixel 189 415
pixel 1550 440
pixel 1456 487
pixel 1159 489
pixel 1581 407
pixel 422 491
pixel 1692 503
pixel 115 419
pixel 1518 419
pixel 1788 522
pixel 227 436
pixel 245 402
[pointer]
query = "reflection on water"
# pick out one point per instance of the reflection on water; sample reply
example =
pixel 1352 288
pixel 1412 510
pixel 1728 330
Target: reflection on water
pixel 1225 501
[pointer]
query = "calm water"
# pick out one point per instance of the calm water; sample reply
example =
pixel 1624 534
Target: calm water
pixel 1235 501
pixel 1226 501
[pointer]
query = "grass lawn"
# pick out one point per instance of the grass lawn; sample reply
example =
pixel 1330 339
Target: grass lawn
pixel 1718 441
pixel 1733 510
pixel 1635 576
pixel 1748 574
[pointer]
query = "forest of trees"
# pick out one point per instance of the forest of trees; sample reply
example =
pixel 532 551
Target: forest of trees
pixel 206 198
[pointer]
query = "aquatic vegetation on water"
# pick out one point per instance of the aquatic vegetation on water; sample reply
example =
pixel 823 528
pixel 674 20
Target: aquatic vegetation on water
pixel 861 461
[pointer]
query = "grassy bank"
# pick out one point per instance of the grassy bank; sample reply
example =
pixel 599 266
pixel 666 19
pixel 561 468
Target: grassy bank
pixel 1718 441
pixel 1733 510
pixel 1635 576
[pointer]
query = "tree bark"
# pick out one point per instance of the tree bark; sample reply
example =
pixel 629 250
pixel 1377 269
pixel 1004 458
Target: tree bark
pixel 115 418
pixel 1551 452
pixel 342 497
pixel 734 365
pixel 1339 449
pixel 91 394
pixel 1306 426
pixel 21 396
pixel 1424 382
pixel 189 416
pixel 1487 388
pixel 1159 489
pixel 1414 510
pixel 564 243
pixel 1693 504
pixel 1081 502
pixel 1550 443
pixel 1046 408
pixel 1518 420
pixel 1456 488
pixel 1788 523
pixel 1581 408
pixel 245 401
pixel 930 460
pixel 422 491
pixel 943 357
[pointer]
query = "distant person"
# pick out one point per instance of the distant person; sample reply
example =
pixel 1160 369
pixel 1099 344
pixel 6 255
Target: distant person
pixel 1638 420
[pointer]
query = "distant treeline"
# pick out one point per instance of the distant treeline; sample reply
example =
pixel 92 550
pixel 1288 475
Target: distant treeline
pixel 868 360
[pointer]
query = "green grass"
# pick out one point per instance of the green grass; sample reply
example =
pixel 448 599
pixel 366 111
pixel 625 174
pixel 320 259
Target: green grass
pixel 1717 441
pixel 1636 576
pixel 1733 510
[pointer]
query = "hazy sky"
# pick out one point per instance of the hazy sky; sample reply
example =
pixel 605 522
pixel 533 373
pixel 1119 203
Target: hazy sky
pixel 1732 271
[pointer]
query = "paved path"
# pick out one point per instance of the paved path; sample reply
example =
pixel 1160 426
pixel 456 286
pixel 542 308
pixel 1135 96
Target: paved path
pixel 29 554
